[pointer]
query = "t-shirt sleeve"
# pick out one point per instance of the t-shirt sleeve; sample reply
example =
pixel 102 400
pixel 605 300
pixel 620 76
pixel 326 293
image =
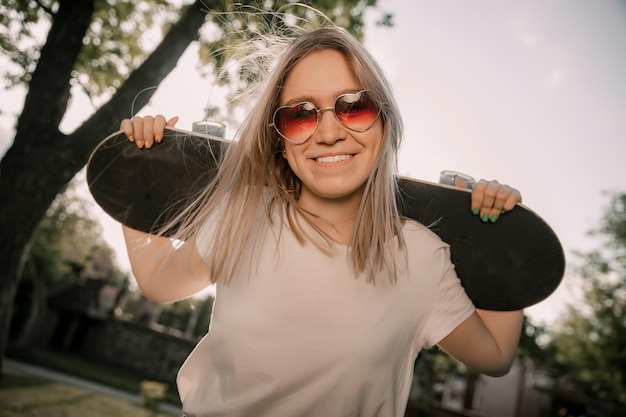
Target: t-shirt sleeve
pixel 451 303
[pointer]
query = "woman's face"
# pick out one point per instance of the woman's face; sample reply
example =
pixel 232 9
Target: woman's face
pixel 335 162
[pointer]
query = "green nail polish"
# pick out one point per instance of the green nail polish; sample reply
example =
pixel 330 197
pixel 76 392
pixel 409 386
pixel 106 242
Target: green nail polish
pixel 493 218
pixel 476 211
pixel 502 211
pixel 485 218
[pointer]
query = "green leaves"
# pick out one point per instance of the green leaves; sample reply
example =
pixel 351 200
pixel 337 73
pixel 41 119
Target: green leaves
pixel 23 25
pixel 119 38
pixel 591 339
pixel 123 32
pixel 67 245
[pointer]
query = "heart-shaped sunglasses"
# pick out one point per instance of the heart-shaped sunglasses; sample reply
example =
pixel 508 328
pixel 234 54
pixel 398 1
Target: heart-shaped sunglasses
pixel 297 123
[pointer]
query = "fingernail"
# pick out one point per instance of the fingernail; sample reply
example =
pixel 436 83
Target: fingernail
pixel 476 211
pixel 493 218
pixel 158 138
pixel 485 218
pixel 131 138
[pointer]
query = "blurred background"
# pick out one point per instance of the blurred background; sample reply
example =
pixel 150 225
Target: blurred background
pixel 530 93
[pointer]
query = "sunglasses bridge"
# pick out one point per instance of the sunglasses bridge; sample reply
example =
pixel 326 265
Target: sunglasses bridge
pixel 318 116
pixel 323 109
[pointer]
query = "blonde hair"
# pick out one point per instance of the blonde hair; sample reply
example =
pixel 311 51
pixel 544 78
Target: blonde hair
pixel 254 163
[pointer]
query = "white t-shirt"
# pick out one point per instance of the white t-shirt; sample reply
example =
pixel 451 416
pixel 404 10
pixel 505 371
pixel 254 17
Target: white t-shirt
pixel 299 335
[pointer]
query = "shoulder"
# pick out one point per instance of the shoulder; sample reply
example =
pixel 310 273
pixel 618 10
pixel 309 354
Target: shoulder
pixel 426 253
pixel 416 234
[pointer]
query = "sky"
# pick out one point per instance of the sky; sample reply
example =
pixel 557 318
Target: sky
pixel 530 93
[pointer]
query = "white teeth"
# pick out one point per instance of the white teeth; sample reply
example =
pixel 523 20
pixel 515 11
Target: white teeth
pixel 331 159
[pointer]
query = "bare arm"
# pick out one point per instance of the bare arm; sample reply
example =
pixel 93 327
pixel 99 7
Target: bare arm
pixel 486 341
pixel 164 272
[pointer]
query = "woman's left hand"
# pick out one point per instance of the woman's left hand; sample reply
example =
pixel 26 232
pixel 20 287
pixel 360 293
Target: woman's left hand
pixel 490 199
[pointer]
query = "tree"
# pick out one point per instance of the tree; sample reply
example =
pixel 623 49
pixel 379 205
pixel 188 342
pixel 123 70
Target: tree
pixel 591 339
pixel 94 44
pixel 535 345
pixel 66 247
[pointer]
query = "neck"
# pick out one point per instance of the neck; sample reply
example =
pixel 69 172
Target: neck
pixel 334 216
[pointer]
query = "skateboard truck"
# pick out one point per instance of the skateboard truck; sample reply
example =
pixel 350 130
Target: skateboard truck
pixel 448 177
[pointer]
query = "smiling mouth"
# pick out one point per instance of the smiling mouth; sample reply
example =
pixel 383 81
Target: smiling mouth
pixel 333 158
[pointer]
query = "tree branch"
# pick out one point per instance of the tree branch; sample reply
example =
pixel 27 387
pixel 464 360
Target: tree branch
pixel 150 73
pixel 45 8
pixel 49 88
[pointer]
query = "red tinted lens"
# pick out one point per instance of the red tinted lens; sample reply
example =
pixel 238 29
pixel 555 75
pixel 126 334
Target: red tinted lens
pixel 356 111
pixel 296 123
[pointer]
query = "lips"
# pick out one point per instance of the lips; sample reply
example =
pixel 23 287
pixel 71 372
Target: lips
pixel 333 158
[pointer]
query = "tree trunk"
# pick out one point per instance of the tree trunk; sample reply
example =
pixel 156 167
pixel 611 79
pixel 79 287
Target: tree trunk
pixel 42 160
pixel 32 171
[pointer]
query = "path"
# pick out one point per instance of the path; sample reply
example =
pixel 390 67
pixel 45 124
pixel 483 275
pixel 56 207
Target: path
pixel 83 383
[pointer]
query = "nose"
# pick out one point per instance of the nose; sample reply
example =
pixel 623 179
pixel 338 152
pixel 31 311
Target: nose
pixel 329 130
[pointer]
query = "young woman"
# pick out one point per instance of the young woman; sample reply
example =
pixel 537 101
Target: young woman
pixel 325 294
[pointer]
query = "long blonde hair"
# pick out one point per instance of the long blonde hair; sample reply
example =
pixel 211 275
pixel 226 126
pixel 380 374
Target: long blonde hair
pixel 254 163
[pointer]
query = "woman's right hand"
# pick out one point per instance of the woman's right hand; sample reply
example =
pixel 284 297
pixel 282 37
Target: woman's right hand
pixel 145 131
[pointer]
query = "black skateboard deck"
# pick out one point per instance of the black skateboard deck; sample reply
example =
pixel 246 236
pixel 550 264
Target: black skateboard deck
pixel 508 265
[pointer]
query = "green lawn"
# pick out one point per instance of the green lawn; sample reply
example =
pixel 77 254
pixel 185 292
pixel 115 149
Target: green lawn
pixel 90 370
pixel 28 396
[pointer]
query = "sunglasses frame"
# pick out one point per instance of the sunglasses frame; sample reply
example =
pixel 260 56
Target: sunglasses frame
pixel 319 112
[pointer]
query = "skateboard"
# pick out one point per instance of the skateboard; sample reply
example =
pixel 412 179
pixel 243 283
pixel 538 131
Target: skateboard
pixel 508 265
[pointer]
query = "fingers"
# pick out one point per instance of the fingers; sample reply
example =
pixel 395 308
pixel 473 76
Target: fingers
pixel 172 122
pixel 459 182
pixel 147 130
pixel 158 127
pixel 127 128
pixel 490 199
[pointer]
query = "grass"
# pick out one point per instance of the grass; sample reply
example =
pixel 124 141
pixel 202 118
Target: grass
pixel 83 368
pixel 29 396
